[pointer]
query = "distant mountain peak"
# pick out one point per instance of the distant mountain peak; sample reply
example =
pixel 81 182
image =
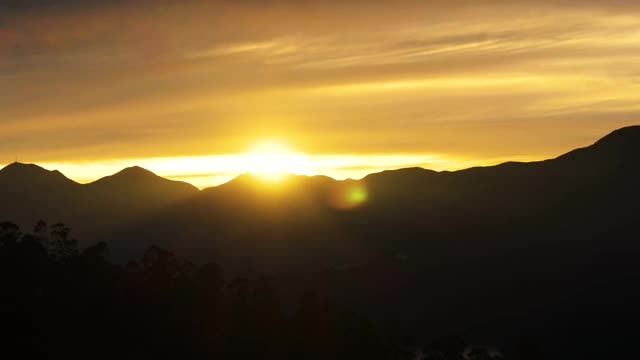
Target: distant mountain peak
pixel 619 146
pixel 136 171
pixel 136 178
pixel 410 172
pixel 18 166
pixel 32 173
pixel 626 136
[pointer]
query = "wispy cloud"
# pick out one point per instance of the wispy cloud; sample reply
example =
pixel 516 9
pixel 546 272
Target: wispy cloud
pixel 508 78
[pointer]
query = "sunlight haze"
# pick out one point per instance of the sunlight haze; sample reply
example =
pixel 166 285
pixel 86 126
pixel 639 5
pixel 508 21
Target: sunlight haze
pixel 188 87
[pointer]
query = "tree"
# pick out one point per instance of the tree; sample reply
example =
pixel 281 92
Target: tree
pixel 60 246
pixel 9 234
pixel 95 255
pixel 159 265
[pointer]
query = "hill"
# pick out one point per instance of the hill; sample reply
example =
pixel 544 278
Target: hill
pixel 30 193
pixel 546 248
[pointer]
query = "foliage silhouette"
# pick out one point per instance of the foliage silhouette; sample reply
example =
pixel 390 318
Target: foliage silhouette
pixel 61 302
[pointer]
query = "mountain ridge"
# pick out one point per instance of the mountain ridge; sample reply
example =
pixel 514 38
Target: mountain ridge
pixel 134 191
pixel 132 177
pixel 620 139
pixel 511 246
pixel 21 172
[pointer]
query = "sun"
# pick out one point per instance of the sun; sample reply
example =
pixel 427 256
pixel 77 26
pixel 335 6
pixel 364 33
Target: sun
pixel 272 160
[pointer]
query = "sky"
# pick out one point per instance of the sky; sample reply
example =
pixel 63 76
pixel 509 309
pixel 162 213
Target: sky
pixel 190 89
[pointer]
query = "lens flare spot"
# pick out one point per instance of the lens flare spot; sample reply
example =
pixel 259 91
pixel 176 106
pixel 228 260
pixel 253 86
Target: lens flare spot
pixel 356 195
pixel 349 195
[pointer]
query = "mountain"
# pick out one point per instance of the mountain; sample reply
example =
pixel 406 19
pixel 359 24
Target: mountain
pixel 32 177
pixel 30 193
pixel 546 249
pixel 134 180
pixel 412 202
pixel 309 223
pixel 136 190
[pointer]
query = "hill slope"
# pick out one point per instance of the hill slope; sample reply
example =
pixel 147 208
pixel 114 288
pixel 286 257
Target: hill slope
pixel 30 193
pixel 545 248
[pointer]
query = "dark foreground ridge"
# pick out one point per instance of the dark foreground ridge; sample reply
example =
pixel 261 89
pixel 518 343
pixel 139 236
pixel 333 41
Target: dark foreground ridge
pixel 544 250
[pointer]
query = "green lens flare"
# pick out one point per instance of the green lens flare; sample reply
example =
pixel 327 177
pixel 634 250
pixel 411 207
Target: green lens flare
pixel 356 195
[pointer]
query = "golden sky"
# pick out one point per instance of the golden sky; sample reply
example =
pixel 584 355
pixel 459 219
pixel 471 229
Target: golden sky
pixel 184 88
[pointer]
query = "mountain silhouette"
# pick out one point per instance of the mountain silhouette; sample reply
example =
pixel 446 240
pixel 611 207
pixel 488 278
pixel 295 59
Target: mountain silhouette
pixel 32 177
pixel 140 188
pixel 576 181
pixel 31 192
pixel 512 246
pixel 135 177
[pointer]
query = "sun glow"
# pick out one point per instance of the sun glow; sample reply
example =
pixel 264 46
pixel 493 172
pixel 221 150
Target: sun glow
pixel 273 160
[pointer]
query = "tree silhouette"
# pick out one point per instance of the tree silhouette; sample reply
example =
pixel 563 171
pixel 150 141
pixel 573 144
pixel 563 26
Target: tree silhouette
pixel 60 246
pixel 59 302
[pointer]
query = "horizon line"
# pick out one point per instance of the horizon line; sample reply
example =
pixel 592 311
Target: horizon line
pixel 232 176
pixel 226 167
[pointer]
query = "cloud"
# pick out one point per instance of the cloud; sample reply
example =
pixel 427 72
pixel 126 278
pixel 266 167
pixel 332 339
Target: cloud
pixel 107 80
